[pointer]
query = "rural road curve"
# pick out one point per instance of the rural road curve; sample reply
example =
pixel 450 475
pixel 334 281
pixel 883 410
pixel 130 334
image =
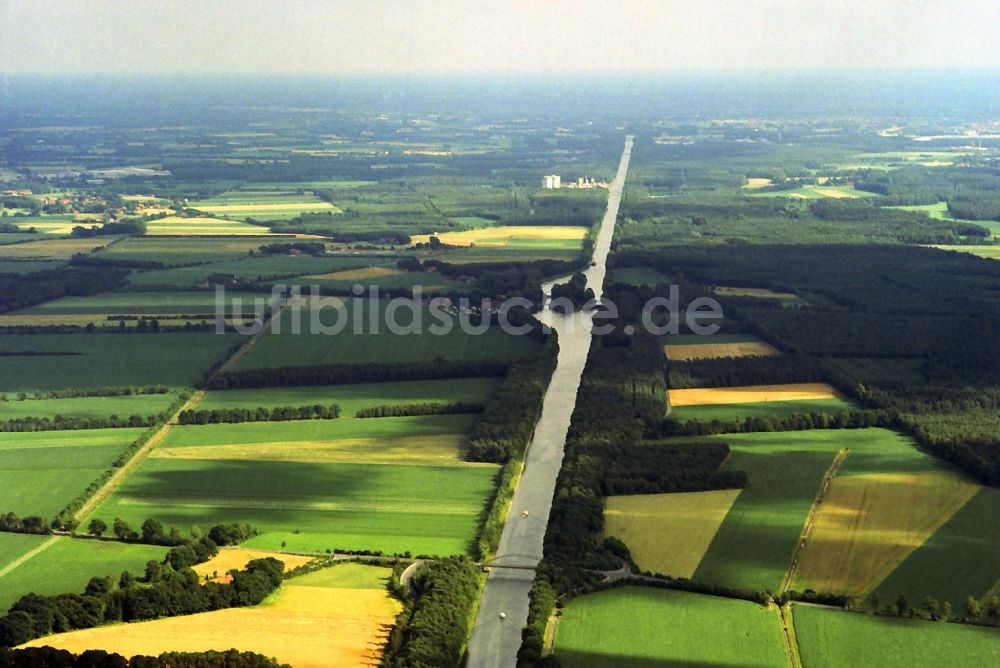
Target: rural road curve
pixel 495 640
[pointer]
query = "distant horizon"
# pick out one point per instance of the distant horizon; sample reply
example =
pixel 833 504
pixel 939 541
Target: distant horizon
pixel 494 36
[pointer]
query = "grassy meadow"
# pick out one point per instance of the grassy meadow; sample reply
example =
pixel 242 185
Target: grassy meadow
pixel 834 639
pixel 41 472
pixel 668 533
pixel 391 484
pixel 352 398
pixel 370 345
pixel 101 360
pixel 646 628
pixel 87 407
pixel 68 565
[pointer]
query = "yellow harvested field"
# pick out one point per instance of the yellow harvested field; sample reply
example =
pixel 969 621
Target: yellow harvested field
pixel 668 533
pixel 439 450
pixel 756 182
pixel 752 394
pixel 358 274
pixel 230 558
pixel 752 292
pixel 501 236
pixel 52 249
pixel 831 192
pixel 177 226
pixel 869 524
pixel 707 351
pixel 302 624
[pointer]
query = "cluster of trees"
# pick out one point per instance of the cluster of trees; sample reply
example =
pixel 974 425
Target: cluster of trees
pixel 94 658
pixel 81 260
pixel 574 290
pixel 433 628
pixel 344 374
pixel 14 523
pixel 405 410
pixel 62 423
pixel 583 208
pixel 166 592
pixel 108 229
pixel 19 291
pixel 259 414
pixel 307 247
pixel 11 228
pixel 152 532
pixel 982 207
pixel 504 429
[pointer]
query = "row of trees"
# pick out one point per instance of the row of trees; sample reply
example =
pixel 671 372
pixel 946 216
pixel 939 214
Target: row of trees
pixel 504 429
pixel 19 291
pixel 433 627
pixel 259 414
pixel 405 410
pixel 62 423
pixel 74 393
pixel 32 657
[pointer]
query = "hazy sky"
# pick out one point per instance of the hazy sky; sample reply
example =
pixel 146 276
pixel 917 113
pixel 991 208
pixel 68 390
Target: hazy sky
pixel 403 36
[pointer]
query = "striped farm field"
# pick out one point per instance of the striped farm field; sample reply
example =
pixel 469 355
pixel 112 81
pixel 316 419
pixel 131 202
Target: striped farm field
pixel 752 394
pixel 52 249
pixel 530 236
pixel 177 226
pixel 869 524
pixel 364 273
pixel 668 533
pixel 754 545
pixel 684 348
pixel 760 293
pixel 390 484
pixel 330 618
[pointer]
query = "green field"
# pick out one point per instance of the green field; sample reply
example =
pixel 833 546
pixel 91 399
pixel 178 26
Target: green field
pixel 391 484
pixel 146 303
pixel 638 276
pixel 352 398
pixel 27 266
pixel 753 547
pixel 386 278
pixel 13 545
pixel 262 205
pixel 87 407
pixel 960 559
pixel 41 472
pixel 990 252
pixel 172 251
pixel 634 627
pixel 175 360
pixel 764 409
pixel 196 226
pixel 68 565
pixel 259 268
pixel 379 346
pixel 833 639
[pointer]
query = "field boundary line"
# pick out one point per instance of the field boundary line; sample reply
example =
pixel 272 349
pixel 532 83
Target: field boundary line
pixel 788 631
pixel 28 555
pixel 807 528
pixel 143 453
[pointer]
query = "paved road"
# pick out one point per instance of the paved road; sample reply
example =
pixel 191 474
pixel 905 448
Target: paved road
pixel 495 640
